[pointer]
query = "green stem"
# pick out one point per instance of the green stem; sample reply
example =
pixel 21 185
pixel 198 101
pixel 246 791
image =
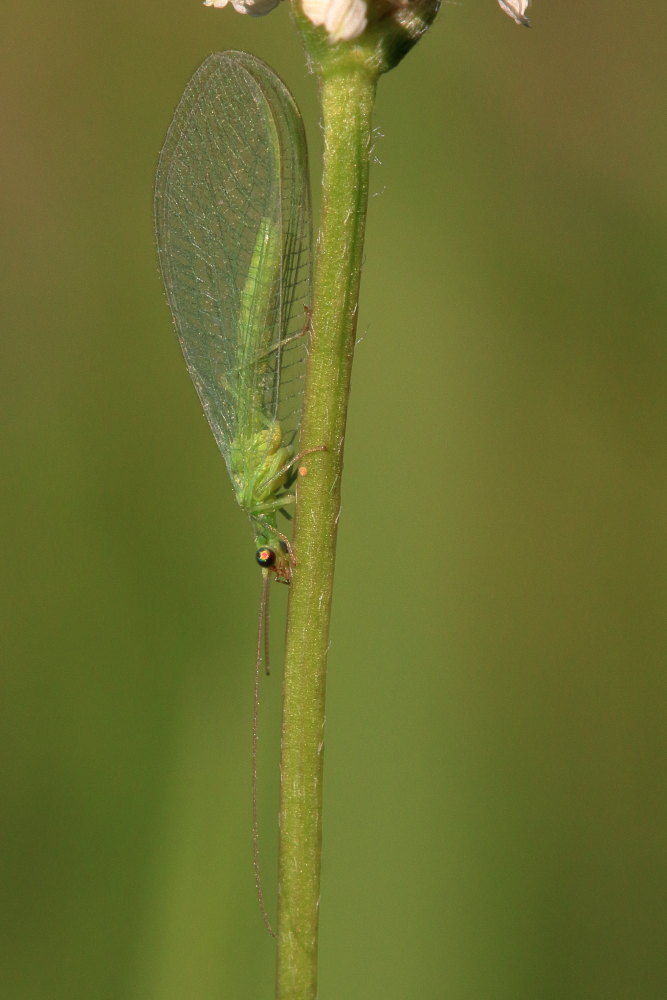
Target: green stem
pixel 347 94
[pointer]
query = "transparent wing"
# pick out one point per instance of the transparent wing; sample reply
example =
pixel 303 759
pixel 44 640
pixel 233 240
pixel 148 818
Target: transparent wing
pixel 232 211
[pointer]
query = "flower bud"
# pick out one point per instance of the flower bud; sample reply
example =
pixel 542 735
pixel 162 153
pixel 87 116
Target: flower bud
pixel 342 19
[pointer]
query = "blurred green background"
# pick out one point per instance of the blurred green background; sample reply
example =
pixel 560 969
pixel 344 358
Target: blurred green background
pixel 495 805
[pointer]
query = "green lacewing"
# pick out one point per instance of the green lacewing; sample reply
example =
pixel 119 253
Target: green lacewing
pixel 233 225
pixel 232 210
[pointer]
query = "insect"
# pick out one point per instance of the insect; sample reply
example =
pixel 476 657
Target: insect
pixel 233 225
pixel 232 209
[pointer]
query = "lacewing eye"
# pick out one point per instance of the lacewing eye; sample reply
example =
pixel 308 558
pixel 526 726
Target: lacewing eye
pixel 265 557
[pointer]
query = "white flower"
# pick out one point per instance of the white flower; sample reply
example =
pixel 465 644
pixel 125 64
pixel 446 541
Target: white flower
pixel 253 7
pixel 516 9
pixel 343 19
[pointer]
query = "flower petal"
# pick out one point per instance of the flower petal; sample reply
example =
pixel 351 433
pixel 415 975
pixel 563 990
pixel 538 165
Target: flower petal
pixel 255 8
pixel 516 9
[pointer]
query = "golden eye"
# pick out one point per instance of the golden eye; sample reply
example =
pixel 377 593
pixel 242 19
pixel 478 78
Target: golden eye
pixel 265 557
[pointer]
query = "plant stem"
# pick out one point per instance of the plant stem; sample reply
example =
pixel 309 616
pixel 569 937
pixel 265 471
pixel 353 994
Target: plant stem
pixel 347 94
